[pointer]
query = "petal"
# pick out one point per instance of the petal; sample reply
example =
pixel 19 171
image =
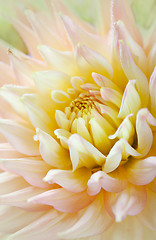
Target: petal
pixel 14 133
pixel 59 60
pixel 19 199
pixel 91 61
pixel 83 153
pixel 10 182
pixel 121 11
pixel 94 220
pixel 131 102
pixel 72 181
pixel 111 95
pixel 131 201
pixel 31 169
pixel 133 72
pixel 152 89
pixel 145 138
pixel 142 172
pixel 12 94
pixel 63 200
pixel 109 183
pixel 7 151
pixel 77 34
pixel 38 117
pixel 46 81
pixel 147 216
pixel 13 219
pixel 49 224
pixel 123 230
pixel 51 151
pixel 119 152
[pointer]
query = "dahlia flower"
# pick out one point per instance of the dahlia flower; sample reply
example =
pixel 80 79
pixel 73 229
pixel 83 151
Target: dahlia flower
pixel 78 126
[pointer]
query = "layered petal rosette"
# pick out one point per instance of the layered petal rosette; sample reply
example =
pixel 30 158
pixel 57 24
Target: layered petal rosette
pixel 78 126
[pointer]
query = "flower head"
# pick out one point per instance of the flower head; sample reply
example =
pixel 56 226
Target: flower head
pixel 78 126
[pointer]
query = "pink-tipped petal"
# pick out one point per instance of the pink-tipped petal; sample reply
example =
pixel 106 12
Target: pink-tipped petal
pixel 152 89
pixel 131 201
pixel 31 169
pixel 145 138
pixel 20 197
pixel 94 220
pixel 142 172
pixel 109 183
pixel 132 71
pixel 63 200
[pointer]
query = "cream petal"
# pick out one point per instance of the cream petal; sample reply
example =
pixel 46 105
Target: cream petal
pixel 131 102
pixel 94 220
pixel 31 169
pixel 78 34
pixel 121 11
pixel 102 81
pixel 7 75
pixel 10 182
pixel 83 153
pixel 145 138
pixel 38 117
pixel 27 35
pixel 12 219
pixel 12 94
pixel 91 61
pixel 152 89
pixel 152 59
pixel 131 201
pixel 51 151
pixel 7 151
pixel 72 181
pixel 63 200
pixel 111 95
pixel 129 228
pixel 14 133
pixel 133 72
pixel 40 23
pixel 136 50
pixel 62 120
pixel 125 130
pixel 147 216
pixel 46 226
pixel 19 199
pixel 46 81
pixel 24 66
pixel 119 152
pixel 142 172
pixel 101 179
pixel 100 137
pixel 59 60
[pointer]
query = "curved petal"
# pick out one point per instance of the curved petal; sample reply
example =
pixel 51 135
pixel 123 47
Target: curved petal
pixel 142 172
pixel 63 200
pixel 147 216
pixel 72 181
pixel 31 169
pixel 109 183
pixel 20 197
pixel 14 133
pixel 51 151
pixel 131 201
pixel 94 220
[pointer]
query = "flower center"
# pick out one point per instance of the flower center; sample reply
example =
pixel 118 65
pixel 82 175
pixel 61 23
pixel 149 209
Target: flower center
pixel 83 103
